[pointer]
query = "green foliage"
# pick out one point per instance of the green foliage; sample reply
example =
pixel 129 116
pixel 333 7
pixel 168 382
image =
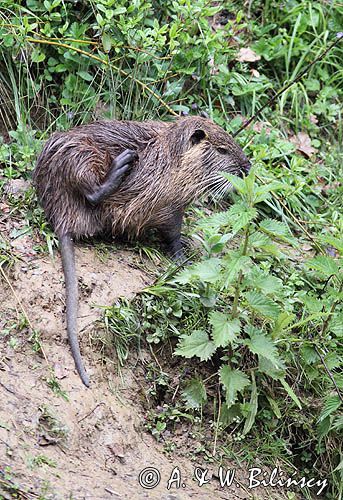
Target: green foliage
pixel 260 315
pixel 233 381
pixel 196 344
pixel 194 393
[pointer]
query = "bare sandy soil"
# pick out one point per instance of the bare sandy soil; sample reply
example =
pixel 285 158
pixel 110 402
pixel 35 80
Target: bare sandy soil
pixel 92 445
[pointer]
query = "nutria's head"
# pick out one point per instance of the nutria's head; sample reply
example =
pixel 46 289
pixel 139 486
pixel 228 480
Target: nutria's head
pixel 205 150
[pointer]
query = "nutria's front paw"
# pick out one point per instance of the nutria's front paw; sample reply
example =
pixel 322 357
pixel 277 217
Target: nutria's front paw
pixel 127 156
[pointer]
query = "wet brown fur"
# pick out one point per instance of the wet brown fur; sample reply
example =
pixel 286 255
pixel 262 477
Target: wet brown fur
pixel 169 173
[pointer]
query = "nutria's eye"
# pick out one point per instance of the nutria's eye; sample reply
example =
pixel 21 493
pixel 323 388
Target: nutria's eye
pixel 223 151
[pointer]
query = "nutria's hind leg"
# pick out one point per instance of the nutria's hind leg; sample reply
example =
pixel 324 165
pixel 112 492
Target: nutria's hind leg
pixel 171 235
pixel 119 167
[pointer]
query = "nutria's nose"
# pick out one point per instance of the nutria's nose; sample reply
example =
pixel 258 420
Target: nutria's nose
pixel 245 167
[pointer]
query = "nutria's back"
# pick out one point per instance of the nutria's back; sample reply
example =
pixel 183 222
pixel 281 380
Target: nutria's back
pixel 82 157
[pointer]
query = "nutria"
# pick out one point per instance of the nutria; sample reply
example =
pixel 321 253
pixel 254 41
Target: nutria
pixel 126 177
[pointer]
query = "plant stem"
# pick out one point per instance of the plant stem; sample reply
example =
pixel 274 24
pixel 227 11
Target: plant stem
pixel 234 311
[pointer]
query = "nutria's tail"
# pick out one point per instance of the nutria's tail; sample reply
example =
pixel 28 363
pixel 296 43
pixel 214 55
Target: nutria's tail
pixel 68 263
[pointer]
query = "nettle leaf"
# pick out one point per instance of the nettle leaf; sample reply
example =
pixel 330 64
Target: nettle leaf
pixel 214 222
pixel 282 322
pixel 331 404
pixel 309 354
pixel 237 182
pixel 323 427
pixel 277 230
pixel 234 262
pixel 263 281
pixel 312 302
pixel 335 242
pixel 194 394
pixel 197 344
pixel 207 271
pixel 239 216
pixel 216 242
pixel 337 425
pixel 229 415
pixel 261 345
pixel 224 329
pixel 262 193
pixel 264 243
pixel 336 324
pixel 262 305
pixel 324 264
pixel 233 381
pixel 259 240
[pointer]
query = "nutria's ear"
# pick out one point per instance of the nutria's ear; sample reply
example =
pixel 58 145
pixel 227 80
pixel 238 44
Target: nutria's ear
pixel 197 136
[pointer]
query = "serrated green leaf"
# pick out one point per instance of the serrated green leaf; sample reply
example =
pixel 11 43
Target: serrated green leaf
pixel 197 344
pixel 334 242
pixel 273 249
pixel 185 276
pixel 323 427
pixel 234 263
pixel 194 394
pixel 324 264
pixel 331 404
pixel 336 324
pixel 214 222
pixel 262 305
pixel 259 240
pixel 262 193
pixel 239 216
pixel 224 329
pixel 261 345
pixel 207 271
pixel 277 230
pixel 263 281
pixel 282 322
pixel 233 381
pixel 337 424
pixel 228 415
pixel 237 182
pixel 313 303
pixel 309 354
